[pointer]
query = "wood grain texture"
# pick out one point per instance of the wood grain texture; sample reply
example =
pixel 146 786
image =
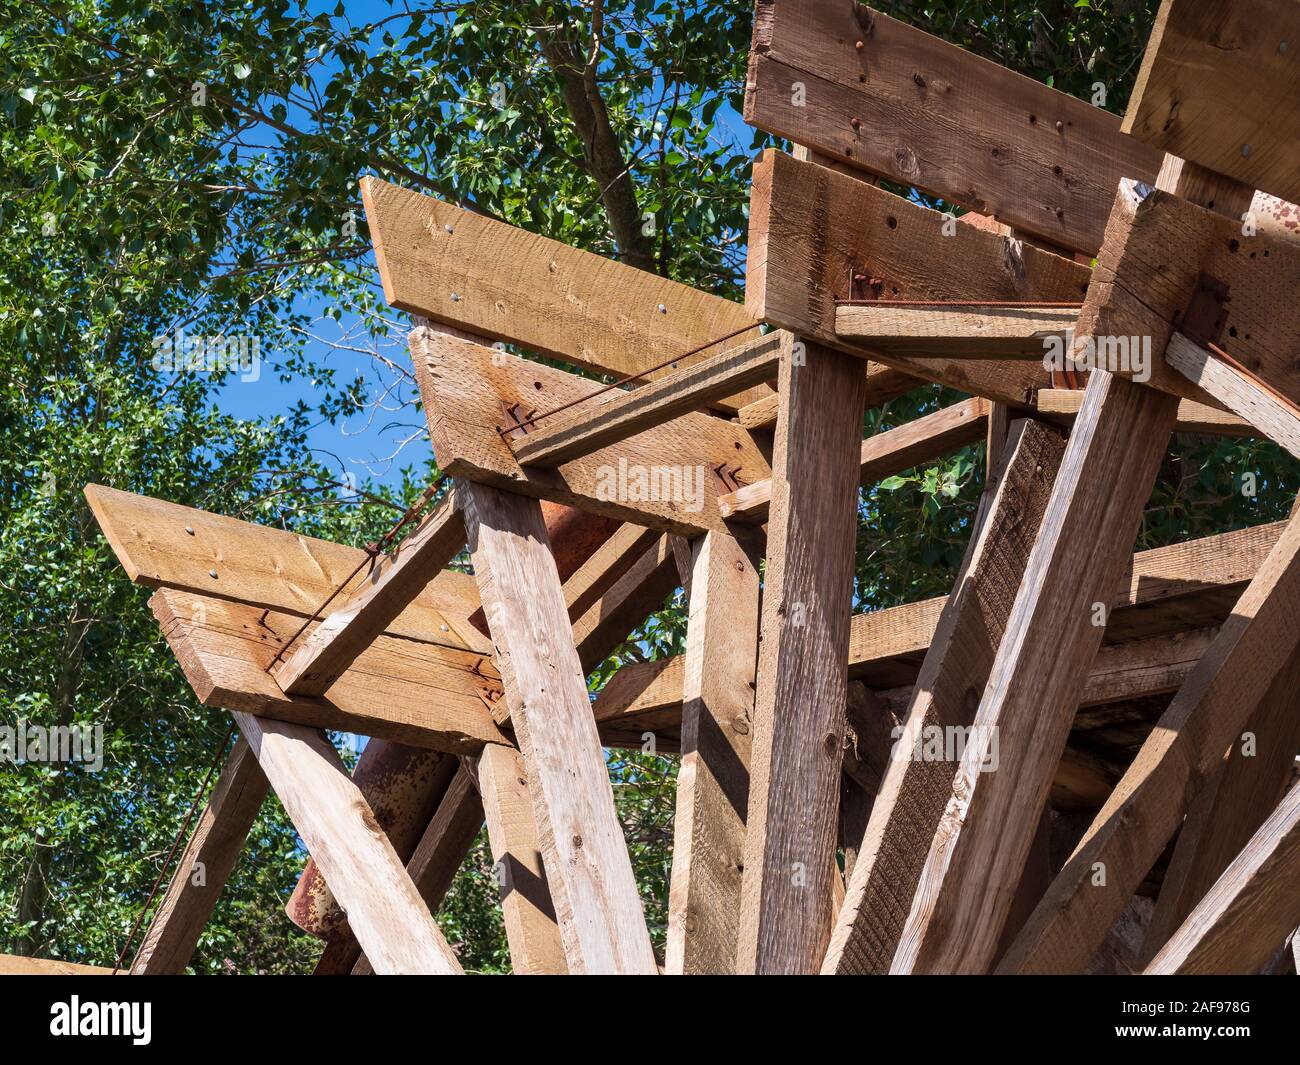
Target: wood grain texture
pixel 886 453
pixel 956 669
pixel 883 384
pixel 893 100
pixel 1230 805
pixel 357 620
pixel 980 332
pixel 617 415
pixel 387 915
pixel 527 910
pixel 464 386
pixel 503 283
pixel 167 545
pixel 718 681
pixel 978 853
pixel 596 901
pixel 1254 403
pixel 799 721
pixel 16 965
pixel 397 689
pixel 1249 910
pixel 811 229
pixel 1193 417
pixel 204 866
pixel 1186 748
pixel 1220 85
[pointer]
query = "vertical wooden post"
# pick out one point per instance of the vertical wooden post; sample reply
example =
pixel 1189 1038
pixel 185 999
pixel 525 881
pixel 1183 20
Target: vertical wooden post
pixel 526 906
pixel 599 911
pixel 713 779
pixel 799 721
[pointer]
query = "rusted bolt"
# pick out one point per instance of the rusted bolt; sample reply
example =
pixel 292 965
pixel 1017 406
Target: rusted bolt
pixel 856 123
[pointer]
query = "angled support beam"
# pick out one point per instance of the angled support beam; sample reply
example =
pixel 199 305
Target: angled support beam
pixel 915 791
pixel 979 331
pixel 1187 747
pixel 390 588
pixel 527 910
pixel 799 722
pixel 1250 909
pixel 387 915
pixel 984 837
pixel 596 901
pixel 205 866
pixel 1245 395
pixel 893 451
pixel 713 778
pixel 617 415
pixel 1193 417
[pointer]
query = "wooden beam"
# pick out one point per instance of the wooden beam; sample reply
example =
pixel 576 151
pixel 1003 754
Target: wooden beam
pixel 387 915
pixel 1249 910
pixel 397 689
pixel 205 866
pixel 1202 61
pixel 617 415
pixel 526 907
pixel 811 230
pixel 1255 402
pixel 713 777
pixel 595 893
pixel 799 721
pixel 915 791
pixel 981 331
pixel 17 965
pixel 877 94
pixel 662 479
pixel 891 451
pixel 442 847
pixel 1230 805
pixel 391 586
pixel 1193 417
pixel 883 384
pixel 984 837
pixel 166 545
pixel 506 284
pixel 1206 717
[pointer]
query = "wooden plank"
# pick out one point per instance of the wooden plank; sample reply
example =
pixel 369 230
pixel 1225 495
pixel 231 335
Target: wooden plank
pixel 1256 404
pixel 17 965
pixel 888 98
pixel 892 451
pixel 1250 909
pixel 713 775
pixel 1230 806
pixel 883 384
pixel 811 230
pixel 595 893
pixel 397 689
pixel 662 479
pixel 1158 246
pixel 984 837
pixel 205 866
pixel 442 847
pixel 162 544
pixel 617 415
pixel 386 914
pixel 799 721
pixel 977 332
pixel 526 907
pixel 1193 417
pixel 461 269
pixel 1220 85
pixel 1206 717
pixel 915 791
pixel 364 615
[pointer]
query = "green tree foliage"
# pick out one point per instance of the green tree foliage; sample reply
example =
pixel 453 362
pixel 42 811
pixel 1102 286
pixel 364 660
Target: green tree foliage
pixel 194 166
